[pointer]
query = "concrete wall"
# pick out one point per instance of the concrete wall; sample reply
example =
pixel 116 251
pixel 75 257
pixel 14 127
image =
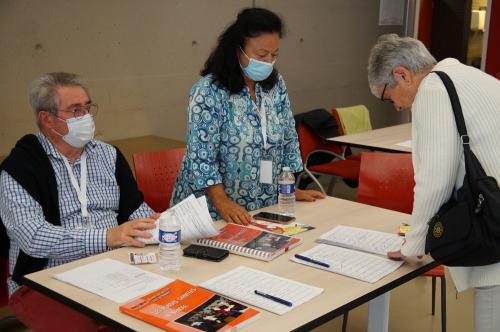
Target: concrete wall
pixel 140 58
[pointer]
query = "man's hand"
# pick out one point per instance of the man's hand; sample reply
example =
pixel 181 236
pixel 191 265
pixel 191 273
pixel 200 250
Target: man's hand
pixel 231 211
pixel 155 215
pixel 308 195
pixel 125 233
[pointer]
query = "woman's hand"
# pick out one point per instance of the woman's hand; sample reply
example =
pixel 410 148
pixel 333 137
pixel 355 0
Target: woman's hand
pixel 396 255
pixel 308 195
pixel 229 210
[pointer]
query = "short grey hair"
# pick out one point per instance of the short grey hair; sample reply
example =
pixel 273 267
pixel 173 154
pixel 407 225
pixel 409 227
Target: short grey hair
pixel 43 92
pixel 392 51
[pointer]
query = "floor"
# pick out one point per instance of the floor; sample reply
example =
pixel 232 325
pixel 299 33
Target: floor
pixel 410 309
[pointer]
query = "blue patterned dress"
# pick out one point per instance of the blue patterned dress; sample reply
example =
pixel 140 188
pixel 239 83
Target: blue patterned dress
pixel 225 144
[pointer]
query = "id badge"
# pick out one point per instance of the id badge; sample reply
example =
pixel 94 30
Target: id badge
pixel 266 171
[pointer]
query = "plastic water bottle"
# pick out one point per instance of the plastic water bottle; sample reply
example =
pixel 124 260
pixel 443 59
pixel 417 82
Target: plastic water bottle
pixel 286 192
pixel 170 242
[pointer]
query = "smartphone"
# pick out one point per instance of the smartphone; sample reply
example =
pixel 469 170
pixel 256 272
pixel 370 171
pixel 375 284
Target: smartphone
pixel 208 253
pixel 273 217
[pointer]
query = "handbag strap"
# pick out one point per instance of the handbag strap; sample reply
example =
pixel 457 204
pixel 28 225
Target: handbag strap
pixel 473 168
pixel 457 108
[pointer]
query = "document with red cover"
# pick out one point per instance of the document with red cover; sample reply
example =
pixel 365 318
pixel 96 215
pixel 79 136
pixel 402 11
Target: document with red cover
pixel 180 306
pixel 251 242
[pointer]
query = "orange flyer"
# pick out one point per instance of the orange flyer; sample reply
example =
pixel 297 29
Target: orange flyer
pixel 180 306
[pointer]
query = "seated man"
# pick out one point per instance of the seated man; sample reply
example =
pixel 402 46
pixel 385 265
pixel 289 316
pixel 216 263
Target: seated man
pixel 64 196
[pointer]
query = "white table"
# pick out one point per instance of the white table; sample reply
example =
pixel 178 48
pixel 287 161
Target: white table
pixel 383 139
pixel 340 293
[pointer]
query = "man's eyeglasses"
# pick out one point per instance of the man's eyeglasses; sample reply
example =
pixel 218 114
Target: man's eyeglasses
pixel 382 98
pixel 81 110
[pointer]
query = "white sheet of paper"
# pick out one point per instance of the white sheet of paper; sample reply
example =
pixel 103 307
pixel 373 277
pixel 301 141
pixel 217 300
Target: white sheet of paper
pixel 241 282
pixel 405 144
pixel 114 280
pixel 196 222
pixel 362 239
pixel 351 263
pixel 266 171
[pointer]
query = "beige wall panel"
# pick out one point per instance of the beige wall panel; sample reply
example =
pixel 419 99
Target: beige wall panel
pixel 140 58
pixel 324 55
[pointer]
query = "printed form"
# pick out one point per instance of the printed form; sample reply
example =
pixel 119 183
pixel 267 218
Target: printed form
pixel 362 239
pixel 114 280
pixel 242 282
pixel 351 263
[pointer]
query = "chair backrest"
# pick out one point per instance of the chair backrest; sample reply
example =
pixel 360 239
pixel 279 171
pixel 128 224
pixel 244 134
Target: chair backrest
pixel 156 173
pixel 386 180
pixel 310 142
pixel 353 119
pixel 339 122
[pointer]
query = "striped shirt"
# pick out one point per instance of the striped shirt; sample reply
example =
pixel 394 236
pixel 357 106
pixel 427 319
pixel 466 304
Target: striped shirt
pixel 25 222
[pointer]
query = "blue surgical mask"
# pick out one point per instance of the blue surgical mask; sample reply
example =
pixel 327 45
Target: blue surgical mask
pixel 257 70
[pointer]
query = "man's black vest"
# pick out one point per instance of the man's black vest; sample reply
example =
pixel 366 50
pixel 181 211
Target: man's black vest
pixel 29 165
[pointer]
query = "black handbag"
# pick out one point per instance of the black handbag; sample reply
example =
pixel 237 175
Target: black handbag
pixel 466 229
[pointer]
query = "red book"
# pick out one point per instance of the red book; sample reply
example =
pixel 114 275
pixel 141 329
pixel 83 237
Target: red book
pixel 251 242
pixel 180 306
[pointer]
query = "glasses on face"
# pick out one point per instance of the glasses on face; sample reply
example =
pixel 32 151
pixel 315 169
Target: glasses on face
pixel 81 110
pixel 382 98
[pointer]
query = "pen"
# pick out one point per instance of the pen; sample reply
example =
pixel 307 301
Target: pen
pixel 273 298
pixel 310 260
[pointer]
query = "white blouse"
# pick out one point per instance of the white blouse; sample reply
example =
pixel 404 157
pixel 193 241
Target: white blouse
pixel 438 155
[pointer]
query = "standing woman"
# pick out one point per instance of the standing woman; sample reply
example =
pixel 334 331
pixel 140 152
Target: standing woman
pixel 241 130
pixel 400 71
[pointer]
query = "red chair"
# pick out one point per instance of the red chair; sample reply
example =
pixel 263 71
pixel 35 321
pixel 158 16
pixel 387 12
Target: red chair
pixel 155 173
pixel 4 274
pixel 310 144
pixel 386 180
pixel 7 322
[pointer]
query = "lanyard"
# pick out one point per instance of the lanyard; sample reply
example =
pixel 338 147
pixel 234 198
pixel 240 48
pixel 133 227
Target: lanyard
pixel 81 192
pixel 263 121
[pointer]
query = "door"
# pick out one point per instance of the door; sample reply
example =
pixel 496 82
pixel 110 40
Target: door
pixel 450 29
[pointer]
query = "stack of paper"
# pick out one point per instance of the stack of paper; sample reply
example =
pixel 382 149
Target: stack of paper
pixel 196 222
pixel 354 252
pixel 113 280
pixel 242 282
pixel 351 263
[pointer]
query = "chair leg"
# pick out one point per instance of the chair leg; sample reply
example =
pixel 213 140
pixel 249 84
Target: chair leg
pixel 299 178
pixel 331 185
pixel 443 304
pixel 433 295
pixel 315 180
pixel 344 321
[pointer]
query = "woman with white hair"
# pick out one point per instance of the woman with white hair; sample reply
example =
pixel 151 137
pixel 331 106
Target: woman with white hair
pixel 400 71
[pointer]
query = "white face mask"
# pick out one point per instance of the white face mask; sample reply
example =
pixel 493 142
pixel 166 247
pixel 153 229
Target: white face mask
pixel 80 130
